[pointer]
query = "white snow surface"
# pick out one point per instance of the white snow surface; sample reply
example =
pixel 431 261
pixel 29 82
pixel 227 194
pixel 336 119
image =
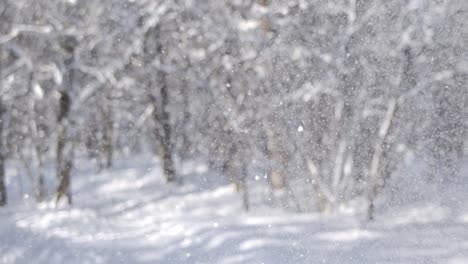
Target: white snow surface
pixel 129 215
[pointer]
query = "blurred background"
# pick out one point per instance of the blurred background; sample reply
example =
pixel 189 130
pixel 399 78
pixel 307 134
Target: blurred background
pixel 303 105
pixel 240 131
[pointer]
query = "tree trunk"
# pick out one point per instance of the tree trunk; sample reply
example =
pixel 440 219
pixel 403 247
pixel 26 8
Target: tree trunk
pixel 265 25
pixel 407 81
pixel 166 144
pixel 64 187
pixel 235 168
pixel 375 168
pixel 230 166
pixel 64 163
pixel 63 151
pixel 3 194
pixel 163 132
pixel 322 199
pixel 276 177
pixel 37 183
pixel 274 148
pixel 185 145
pixel 107 139
pixel 244 186
pixel 65 147
pixel 161 118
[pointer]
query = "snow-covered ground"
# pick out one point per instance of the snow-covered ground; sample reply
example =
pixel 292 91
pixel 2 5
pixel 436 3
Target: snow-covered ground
pixel 128 215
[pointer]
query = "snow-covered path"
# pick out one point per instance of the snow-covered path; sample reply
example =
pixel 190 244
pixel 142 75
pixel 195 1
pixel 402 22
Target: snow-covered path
pixel 131 216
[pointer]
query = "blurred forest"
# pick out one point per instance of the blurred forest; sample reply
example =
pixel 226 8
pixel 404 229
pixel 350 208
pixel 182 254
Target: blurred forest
pixel 327 99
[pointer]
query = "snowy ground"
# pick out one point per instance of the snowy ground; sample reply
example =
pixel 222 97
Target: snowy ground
pixel 128 215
